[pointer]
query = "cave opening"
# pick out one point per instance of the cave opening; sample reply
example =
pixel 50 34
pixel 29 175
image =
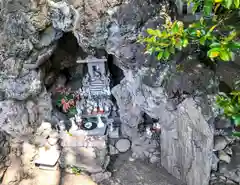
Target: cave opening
pixel 62 66
pixel 64 75
pixel 116 73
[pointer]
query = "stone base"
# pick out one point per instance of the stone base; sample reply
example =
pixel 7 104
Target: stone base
pixel 114 134
pixel 48 157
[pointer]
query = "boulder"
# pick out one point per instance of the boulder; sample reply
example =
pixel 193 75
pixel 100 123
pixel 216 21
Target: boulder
pixel 220 143
pixel 187 144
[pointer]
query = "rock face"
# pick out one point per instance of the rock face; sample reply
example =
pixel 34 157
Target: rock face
pixel 186 134
pixel 189 144
pixel 4 152
pixel 29 31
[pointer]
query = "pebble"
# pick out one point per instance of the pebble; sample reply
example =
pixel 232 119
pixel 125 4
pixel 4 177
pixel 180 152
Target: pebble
pixel 228 150
pixel 224 157
pixel 219 143
pixel 99 177
pixel 154 159
pixel 45 126
pixel 223 178
pixel 131 159
pixel 146 153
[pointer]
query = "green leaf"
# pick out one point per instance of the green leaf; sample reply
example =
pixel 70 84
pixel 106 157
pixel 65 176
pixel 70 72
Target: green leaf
pixel 213 53
pixel 151 31
pixel 202 40
pixel 231 36
pixel 69 133
pixel 160 55
pixel 236 2
pixel 172 50
pixel 158 49
pixel 236 134
pixel 215 45
pixel 202 20
pixel 235 45
pixel 166 54
pixel 207 9
pixel 225 55
pixel 175 28
pixel 195 6
pixel 228 3
pixel 232 56
pixel 185 42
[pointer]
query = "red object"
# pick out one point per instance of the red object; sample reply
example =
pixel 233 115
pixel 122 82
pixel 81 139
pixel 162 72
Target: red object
pixel 100 111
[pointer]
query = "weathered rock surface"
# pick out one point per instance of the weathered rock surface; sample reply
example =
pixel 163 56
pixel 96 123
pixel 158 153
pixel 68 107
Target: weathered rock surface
pixel 28 32
pixel 19 119
pixel 189 144
pixel 186 136
pixel 220 143
pixel 4 152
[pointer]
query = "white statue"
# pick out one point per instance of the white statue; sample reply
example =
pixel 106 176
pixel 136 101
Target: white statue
pixel 74 127
pixel 100 122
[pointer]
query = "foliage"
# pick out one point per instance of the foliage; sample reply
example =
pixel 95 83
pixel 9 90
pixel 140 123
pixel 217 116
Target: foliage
pixel 76 170
pixel 67 101
pixel 216 34
pixel 231 106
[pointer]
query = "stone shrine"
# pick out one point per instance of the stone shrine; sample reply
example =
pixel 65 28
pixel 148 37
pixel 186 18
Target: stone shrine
pixel 85 144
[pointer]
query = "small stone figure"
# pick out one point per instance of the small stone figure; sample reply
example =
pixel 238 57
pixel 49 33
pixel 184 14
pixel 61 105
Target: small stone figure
pixel 74 127
pixel 148 132
pixel 100 122
pixel 62 126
